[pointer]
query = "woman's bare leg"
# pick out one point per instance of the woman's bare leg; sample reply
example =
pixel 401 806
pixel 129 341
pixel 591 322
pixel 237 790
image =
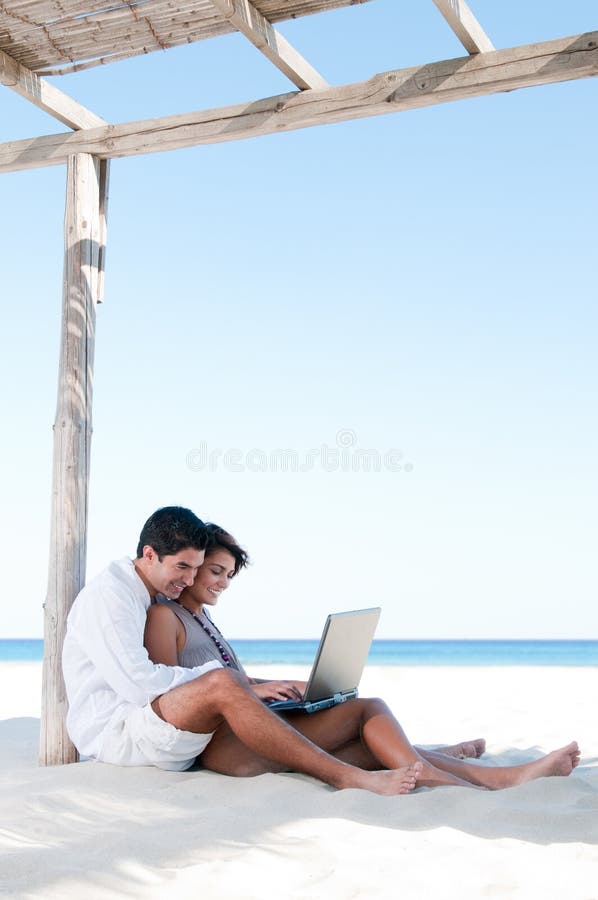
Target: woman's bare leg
pixel 371 722
pixel 227 755
pixel 245 729
pixel 559 762
pixel 382 735
pixel 465 750
pixel 358 755
pixel 384 738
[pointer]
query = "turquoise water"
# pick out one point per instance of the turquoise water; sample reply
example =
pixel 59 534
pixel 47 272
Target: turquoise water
pixel 388 653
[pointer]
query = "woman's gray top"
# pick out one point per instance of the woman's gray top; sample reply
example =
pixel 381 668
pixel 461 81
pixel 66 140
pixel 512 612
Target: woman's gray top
pixel 199 647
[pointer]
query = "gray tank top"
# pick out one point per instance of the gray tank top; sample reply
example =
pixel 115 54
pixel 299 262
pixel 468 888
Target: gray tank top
pixel 199 647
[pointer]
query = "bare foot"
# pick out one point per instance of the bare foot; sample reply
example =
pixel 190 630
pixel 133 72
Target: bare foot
pixel 437 776
pixel 465 750
pixel 393 781
pixel 559 762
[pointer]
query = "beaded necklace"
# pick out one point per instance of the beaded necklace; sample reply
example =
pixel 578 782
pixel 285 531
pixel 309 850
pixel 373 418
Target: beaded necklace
pixel 226 657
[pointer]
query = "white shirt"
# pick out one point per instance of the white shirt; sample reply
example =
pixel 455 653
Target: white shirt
pixel 104 662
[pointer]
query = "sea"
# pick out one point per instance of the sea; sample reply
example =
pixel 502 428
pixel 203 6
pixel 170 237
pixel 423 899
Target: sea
pixel 385 652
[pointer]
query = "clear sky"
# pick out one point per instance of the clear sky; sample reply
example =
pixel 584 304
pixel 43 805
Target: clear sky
pixel 420 286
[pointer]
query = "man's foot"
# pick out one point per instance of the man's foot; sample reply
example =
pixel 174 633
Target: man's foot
pixel 465 750
pixel 392 781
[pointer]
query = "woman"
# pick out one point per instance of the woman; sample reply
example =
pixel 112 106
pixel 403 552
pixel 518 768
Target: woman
pixel 362 732
pixel 181 632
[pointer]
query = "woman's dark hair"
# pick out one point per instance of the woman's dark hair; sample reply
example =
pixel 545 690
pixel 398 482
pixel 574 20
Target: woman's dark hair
pixel 219 539
pixel 172 529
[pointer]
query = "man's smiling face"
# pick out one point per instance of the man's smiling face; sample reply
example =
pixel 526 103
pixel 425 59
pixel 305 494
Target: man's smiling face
pixel 171 574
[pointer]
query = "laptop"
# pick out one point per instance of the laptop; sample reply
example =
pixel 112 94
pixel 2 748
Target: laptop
pixel 339 662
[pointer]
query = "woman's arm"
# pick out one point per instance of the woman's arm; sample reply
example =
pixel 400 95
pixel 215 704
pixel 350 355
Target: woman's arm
pixel 278 690
pixel 164 635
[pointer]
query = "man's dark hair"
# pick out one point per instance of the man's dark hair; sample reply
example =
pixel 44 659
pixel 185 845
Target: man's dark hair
pixel 172 529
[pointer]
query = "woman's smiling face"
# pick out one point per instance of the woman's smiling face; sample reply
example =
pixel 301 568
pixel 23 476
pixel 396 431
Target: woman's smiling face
pixel 213 577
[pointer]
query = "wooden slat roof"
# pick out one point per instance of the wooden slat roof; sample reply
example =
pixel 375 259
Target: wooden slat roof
pixel 56 36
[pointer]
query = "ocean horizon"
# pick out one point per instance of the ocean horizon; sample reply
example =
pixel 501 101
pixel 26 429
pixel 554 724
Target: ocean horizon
pixel 384 652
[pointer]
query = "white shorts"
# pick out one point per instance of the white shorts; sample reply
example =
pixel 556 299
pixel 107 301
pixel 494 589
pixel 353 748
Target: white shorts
pixel 136 736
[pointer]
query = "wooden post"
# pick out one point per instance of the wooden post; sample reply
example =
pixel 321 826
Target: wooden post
pixel 101 262
pixel 84 230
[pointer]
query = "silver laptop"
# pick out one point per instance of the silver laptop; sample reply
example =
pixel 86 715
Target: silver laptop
pixel 339 662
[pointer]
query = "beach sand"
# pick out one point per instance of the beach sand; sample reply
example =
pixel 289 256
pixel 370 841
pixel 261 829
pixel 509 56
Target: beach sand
pixel 97 831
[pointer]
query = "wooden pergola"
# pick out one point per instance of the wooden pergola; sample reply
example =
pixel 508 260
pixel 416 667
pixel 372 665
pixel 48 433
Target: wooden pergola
pixel 40 38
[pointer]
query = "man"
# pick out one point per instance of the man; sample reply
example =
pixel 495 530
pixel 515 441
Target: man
pixel 125 710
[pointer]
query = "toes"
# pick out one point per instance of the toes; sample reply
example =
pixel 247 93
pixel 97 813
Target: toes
pixel 417 769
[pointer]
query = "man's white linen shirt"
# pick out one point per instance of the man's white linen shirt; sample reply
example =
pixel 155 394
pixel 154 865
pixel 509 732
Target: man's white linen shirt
pixel 104 662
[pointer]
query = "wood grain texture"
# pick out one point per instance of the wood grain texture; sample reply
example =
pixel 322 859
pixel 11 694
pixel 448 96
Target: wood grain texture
pixel 465 25
pixel 72 440
pixel 51 38
pixel 565 59
pixel 257 29
pixel 45 96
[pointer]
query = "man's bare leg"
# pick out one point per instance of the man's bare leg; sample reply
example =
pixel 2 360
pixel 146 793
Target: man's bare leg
pixel 221 697
pixel 344 732
pixel 347 732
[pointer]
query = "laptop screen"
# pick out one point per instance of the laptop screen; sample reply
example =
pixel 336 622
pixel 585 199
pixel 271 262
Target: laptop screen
pixel 342 653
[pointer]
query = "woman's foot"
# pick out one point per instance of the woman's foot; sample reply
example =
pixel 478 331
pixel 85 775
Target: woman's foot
pixel 560 763
pixel 465 750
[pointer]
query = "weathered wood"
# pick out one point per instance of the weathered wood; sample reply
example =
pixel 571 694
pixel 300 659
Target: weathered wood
pixel 103 228
pixel 455 79
pixel 72 439
pixel 250 22
pixel 45 95
pixel 465 25
pixel 51 37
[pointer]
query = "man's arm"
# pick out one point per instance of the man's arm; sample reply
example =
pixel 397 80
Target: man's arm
pixel 108 625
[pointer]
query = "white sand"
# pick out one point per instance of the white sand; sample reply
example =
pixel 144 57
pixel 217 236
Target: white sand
pixel 94 831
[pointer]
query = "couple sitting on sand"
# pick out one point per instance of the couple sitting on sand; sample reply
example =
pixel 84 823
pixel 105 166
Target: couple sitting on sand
pixel 187 697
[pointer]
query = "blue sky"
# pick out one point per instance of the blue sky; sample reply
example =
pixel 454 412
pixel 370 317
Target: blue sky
pixel 421 284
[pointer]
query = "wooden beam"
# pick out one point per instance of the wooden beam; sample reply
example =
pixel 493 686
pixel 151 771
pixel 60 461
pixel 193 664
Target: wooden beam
pixel 465 25
pixel 72 439
pixel 45 95
pixel 250 22
pixel 473 76
pixel 103 227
